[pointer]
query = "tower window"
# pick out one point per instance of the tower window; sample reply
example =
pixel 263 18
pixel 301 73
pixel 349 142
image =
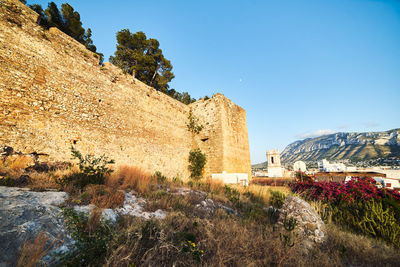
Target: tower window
pixel 272 160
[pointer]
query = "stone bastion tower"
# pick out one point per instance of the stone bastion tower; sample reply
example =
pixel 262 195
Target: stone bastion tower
pixel 54 94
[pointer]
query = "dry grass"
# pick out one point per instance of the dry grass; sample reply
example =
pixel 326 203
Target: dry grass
pixel 18 162
pixel 216 186
pixel 104 197
pixel 262 192
pixel 14 166
pixel 358 250
pixel 272 181
pixel 132 178
pixel 41 181
pixel 32 252
pixel 65 171
pixel 227 241
pixel 6 170
pixel 161 199
pixel 47 180
pixel 94 220
pixel 223 241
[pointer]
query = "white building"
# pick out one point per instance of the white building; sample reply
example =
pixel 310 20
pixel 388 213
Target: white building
pixel 232 178
pixel 261 173
pixel 392 179
pixel 325 166
pixel 392 183
pixel 274 163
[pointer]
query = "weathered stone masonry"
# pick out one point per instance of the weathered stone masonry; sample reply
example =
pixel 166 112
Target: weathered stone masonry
pixel 53 93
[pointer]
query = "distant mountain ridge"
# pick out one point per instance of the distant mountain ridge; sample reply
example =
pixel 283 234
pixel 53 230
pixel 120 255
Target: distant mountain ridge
pixel 338 146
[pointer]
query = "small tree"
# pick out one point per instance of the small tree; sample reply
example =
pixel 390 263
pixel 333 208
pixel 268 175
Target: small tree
pixel 193 124
pixel 197 161
pixel 92 170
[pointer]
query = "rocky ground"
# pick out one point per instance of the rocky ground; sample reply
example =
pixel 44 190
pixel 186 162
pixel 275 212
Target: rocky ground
pixel 25 214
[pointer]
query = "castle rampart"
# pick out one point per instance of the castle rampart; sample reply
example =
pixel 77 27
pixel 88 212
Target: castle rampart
pixel 53 93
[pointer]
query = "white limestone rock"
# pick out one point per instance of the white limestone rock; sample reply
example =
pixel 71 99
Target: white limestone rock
pixel 310 228
pixel 23 215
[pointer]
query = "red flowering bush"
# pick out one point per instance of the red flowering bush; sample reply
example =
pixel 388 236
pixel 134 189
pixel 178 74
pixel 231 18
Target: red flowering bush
pixel 357 189
pixel 358 205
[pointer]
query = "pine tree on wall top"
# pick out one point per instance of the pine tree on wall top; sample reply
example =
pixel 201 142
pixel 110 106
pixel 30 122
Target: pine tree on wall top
pixel 143 58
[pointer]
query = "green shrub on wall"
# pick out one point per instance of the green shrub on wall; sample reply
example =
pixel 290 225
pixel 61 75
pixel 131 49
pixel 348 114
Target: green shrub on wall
pixel 197 161
pixel 194 125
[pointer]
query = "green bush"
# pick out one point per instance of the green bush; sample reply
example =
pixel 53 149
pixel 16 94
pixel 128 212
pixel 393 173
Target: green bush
pixel 369 218
pixel 194 125
pixel 160 177
pixel 233 196
pixel 91 239
pixel 92 170
pixel 289 224
pixel 7 181
pixel 177 181
pixel 277 199
pixel 197 161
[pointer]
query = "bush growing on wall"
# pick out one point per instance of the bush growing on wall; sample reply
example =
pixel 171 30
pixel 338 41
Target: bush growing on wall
pixel 194 125
pixel 197 161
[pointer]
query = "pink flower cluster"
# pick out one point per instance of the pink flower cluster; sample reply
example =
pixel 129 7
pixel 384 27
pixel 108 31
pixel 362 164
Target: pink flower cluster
pixel 356 189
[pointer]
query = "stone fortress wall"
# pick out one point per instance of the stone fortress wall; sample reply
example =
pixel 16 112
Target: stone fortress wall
pixel 53 93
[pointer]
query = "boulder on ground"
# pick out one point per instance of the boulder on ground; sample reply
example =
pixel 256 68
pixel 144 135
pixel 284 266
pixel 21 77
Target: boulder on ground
pixel 24 215
pixel 309 228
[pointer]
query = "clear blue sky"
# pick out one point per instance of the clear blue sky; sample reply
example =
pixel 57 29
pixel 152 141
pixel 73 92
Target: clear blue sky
pixel 298 68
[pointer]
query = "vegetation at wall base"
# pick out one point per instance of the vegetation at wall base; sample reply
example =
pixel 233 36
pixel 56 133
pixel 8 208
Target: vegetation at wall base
pixel 92 170
pixel 184 240
pixel 197 162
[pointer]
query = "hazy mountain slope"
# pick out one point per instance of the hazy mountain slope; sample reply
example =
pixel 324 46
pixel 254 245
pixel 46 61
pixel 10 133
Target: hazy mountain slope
pixel 355 146
pixel 259 165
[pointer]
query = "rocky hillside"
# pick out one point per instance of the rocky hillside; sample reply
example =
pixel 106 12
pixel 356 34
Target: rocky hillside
pixel 353 146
